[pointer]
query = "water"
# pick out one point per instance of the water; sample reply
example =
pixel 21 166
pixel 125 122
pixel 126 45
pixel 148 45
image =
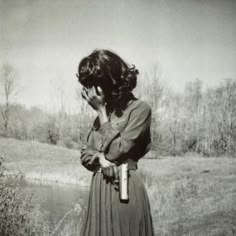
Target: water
pixel 55 200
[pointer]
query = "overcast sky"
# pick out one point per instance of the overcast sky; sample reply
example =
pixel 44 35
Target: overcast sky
pixel 45 40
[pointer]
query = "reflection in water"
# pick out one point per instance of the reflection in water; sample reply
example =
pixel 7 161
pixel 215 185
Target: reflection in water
pixel 55 199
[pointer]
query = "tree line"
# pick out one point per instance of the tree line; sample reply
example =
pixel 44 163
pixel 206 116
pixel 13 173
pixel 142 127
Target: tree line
pixel 195 120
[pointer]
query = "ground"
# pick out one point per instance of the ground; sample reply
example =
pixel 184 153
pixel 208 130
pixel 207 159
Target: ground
pixel 189 195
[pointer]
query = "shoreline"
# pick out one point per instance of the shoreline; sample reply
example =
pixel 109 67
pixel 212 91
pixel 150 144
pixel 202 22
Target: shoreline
pixel 39 179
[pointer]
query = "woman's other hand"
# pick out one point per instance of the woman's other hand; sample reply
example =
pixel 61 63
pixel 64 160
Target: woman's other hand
pixel 95 97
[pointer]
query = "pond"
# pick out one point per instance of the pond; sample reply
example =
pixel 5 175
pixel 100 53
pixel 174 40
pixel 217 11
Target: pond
pixel 54 199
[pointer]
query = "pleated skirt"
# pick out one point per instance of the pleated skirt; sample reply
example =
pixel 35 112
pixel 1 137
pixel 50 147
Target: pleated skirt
pixel 106 215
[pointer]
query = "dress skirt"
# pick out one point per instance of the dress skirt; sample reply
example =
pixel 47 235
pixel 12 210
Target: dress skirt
pixel 106 215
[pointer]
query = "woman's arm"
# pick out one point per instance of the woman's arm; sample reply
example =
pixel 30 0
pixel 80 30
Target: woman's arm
pixel 117 144
pixel 88 158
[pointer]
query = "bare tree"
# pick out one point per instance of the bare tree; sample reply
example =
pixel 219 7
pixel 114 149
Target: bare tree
pixel 193 110
pixel 8 88
pixel 85 117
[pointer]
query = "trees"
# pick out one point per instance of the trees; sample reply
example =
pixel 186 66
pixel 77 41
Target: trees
pixel 85 117
pixel 220 112
pixel 193 98
pixel 8 89
pixel 151 89
pixel 195 120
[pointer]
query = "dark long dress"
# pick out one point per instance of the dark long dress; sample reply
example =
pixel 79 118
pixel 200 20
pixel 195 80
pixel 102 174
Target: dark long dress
pixel 124 138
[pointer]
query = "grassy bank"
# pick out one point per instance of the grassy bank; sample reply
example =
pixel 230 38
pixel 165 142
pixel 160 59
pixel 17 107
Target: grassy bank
pixel 43 162
pixel 192 196
pixel 189 195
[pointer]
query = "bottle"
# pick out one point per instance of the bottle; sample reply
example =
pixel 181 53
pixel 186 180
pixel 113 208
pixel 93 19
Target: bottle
pixel 124 182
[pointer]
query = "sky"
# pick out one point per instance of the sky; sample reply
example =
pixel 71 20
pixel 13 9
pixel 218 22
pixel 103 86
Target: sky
pixel 185 39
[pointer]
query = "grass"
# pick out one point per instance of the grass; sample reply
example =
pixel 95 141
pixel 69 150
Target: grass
pixel 189 195
pixel 192 196
pixel 43 162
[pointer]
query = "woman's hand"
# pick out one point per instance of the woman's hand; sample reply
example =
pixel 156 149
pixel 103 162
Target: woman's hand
pixel 94 97
pixel 107 166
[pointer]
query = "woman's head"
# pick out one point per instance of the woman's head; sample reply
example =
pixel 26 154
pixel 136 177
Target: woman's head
pixel 106 69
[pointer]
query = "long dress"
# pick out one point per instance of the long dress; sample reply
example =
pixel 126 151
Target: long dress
pixel 124 138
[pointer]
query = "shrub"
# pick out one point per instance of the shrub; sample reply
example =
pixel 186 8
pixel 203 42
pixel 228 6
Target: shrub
pixel 19 216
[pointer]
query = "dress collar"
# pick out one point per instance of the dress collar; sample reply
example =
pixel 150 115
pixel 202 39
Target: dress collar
pixel 122 106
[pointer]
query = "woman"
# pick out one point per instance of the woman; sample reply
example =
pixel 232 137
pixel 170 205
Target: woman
pixel 120 134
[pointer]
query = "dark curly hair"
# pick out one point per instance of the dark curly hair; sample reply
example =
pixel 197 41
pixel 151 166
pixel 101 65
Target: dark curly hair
pixel 106 69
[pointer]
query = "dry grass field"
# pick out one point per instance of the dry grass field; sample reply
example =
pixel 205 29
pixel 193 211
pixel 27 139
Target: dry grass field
pixel 189 195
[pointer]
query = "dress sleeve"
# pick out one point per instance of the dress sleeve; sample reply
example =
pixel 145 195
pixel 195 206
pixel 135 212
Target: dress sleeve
pixel 88 155
pixel 118 144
